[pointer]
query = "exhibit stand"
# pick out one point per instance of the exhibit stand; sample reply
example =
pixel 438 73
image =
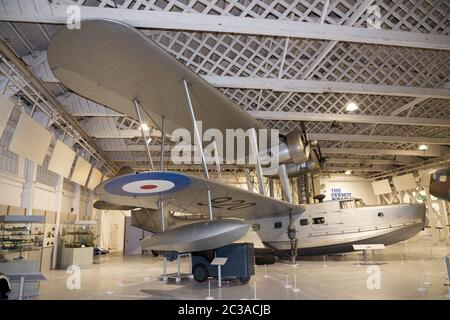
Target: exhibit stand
pixel 77 247
pixel 178 275
pixel 21 240
pixel 219 262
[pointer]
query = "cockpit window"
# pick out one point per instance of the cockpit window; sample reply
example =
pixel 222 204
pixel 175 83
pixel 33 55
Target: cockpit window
pixel 303 222
pixel 319 220
pixel 347 204
pixel 352 203
pixel 360 203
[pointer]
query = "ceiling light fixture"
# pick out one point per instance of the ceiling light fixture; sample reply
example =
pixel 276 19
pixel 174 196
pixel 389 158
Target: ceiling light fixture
pixel 145 127
pixel 423 147
pixel 351 106
pixel 348 172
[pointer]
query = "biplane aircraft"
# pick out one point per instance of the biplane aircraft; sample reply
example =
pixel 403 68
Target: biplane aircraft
pixel 117 66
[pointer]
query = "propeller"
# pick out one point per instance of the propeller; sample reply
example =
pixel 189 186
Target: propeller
pixel 315 148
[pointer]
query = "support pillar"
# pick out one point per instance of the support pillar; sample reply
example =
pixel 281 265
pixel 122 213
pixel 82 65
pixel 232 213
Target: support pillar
pixel 58 209
pixel 30 169
pixel 432 218
pixel 90 204
pixel 76 201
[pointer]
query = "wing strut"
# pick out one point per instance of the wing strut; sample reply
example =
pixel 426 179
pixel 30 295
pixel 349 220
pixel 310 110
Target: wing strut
pixel 198 142
pixel 161 202
pixel 254 149
pixel 285 183
pixel 138 113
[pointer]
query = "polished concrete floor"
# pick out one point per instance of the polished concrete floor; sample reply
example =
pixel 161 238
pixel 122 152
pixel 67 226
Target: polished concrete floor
pixel 411 270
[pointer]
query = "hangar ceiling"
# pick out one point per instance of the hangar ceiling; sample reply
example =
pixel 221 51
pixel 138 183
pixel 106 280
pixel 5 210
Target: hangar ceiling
pixel 282 73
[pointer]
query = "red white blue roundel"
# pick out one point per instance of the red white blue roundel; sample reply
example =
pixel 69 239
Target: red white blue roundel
pixel 147 184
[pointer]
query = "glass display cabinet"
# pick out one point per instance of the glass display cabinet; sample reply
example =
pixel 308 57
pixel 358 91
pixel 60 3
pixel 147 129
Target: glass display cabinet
pixel 78 241
pixel 79 234
pixel 21 241
pixel 20 234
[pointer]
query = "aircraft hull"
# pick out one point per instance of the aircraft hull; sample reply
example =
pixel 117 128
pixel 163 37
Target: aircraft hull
pixel 383 237
pixel 351 226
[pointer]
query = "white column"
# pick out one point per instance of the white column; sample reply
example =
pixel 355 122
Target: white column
pixel 76 201
pixel 100 214
pixel 30 169
pixel 444 218
pixel 58 208
pixel 90 204
pixel 432 218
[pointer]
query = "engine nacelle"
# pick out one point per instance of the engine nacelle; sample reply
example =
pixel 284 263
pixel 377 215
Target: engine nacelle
pixel 311 166
pixel 294 149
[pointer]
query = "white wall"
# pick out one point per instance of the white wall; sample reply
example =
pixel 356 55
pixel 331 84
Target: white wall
pixel 44 199
pixel 113 230
pixel 349 186
pixel 10 190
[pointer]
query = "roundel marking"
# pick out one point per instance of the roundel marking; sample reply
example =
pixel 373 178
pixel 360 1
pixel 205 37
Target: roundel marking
pixel 147 184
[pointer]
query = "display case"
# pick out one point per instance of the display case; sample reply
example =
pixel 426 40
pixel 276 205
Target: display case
pixel 20 234
pixel 21 241
pixel 79 234
pixel 77 244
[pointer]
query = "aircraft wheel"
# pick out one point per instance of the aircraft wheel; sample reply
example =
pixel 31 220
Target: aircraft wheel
pixel 244 280
pixel 200 272
pixel 262 260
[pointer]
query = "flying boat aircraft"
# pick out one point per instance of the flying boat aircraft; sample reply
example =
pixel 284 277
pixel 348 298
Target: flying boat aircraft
pixel 116 65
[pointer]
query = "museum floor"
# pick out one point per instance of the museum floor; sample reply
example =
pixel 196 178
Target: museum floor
pixel 414 270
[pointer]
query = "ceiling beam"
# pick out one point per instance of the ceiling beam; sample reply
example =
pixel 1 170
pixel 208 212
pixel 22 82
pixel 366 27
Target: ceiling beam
pixel 366 161
pixel 431 152
pixel 132 133
pixel 58 14
pixel 359 169
pixel 315 86
pixel 136 148
pixel 43 71
pixel 369 138
pixel 142 158
pixel 382 152
pixel 355 118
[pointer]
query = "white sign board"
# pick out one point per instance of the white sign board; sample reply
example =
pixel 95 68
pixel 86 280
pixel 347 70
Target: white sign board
pixel 81 171
pixel 381 187
pixel 219 261
pixel 62 159
pixel 94 179
pixel 368 246
pixel 30 140
pixel 404 182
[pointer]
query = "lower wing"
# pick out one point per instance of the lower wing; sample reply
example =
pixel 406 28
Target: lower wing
pixel 186 193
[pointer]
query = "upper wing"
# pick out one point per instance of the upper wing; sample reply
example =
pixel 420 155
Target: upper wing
pixel 113 64
pixel 186 193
